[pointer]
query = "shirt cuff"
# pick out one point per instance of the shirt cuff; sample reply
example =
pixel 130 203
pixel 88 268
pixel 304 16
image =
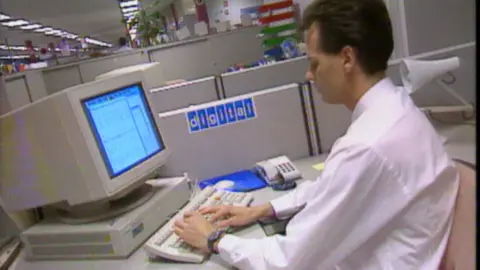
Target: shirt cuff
pixel 283 209
pixel 226 248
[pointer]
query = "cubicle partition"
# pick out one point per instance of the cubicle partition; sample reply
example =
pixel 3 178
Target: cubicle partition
pixel 16 91
pixel 61 77
pixel 24 88
pixel 190 59
pixel 263 77
pixel 178 96
pixel 89 70
pixel 239 46
pixel 209 55
pixel 233 134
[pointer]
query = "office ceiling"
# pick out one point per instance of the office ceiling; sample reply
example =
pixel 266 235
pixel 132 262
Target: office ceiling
pixel 98 19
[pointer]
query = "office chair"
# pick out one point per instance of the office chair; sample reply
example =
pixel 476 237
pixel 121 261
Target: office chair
pixel 460 252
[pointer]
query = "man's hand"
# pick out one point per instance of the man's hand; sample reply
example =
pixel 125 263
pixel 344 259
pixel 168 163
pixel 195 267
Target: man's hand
pixel 236 216
pixel 194 229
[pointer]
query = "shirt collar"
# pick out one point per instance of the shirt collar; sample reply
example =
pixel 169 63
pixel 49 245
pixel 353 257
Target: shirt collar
pixel 375 93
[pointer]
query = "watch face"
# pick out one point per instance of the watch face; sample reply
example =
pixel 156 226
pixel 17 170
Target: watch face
pixel 214 236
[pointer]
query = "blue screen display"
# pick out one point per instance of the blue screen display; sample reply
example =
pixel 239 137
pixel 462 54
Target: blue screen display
pixel 124 128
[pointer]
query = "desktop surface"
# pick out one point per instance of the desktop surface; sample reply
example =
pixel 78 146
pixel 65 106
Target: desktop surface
pixel 139 259
pixel 457 146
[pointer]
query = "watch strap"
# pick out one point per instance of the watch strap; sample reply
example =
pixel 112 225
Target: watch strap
pixel 212 239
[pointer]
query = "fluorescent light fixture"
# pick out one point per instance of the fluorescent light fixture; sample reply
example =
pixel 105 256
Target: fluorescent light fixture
pixel 97 42
pixel 129 3
pixel 15 23
pixel 130 9
pixel 45 29
pixel 31 26
pixel 61 34
pixel 54 32
pixel 14 57
pixel 4 17
pixel 129 14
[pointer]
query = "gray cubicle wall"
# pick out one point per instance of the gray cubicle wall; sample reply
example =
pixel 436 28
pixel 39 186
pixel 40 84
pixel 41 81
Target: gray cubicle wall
pixel 174 97
pixel 207 56
pixel 239 46
pixel 4 104
pixel 89 70
pixel 191 59
pixel 61 77
pixel 332 121
pixel 276 130
pixel 263 77
pixel 16 90
pixel 437 24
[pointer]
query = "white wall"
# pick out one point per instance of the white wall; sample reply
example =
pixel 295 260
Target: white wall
pixel 215 9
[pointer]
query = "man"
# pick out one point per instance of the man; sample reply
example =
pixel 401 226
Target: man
pixel 386 196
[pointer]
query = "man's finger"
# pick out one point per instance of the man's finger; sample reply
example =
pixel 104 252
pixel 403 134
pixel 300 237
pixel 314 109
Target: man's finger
pixel 225 223
pixel 223 213
pixel 180 223
pixel 209 210
pixel 189 214
pixel 178 231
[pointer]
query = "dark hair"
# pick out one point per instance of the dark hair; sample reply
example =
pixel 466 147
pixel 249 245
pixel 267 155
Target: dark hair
pixel 362 24
pixel 122 41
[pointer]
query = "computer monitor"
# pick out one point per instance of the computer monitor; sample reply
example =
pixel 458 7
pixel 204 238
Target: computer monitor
pixel 91 143
pixel 123 127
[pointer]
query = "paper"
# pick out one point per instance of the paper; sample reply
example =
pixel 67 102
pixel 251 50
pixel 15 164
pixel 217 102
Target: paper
pixel 319 166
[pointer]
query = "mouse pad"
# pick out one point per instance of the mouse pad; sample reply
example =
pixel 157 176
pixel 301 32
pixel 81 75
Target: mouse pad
pixel 243 181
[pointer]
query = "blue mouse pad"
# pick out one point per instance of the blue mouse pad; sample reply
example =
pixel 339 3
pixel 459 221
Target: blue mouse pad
pixel 243 181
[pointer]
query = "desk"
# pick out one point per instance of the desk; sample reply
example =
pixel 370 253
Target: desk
pixel 460 143
pixel 139 261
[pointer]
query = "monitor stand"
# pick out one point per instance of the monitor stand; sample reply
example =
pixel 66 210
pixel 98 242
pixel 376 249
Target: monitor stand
pixel 98 211
pixel 117 237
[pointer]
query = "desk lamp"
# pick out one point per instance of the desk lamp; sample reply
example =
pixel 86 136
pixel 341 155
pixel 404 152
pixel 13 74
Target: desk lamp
pixel 416 73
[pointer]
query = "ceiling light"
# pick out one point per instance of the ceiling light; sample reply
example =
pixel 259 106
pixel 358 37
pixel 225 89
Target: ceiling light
pixel 130 9
pixel 97 42
pixel 130 14
pixel 4 17
pixel 14 57
pixel 129 3
pixel 15 23
pixel 53 32
pixel 43 29
pixel 31 26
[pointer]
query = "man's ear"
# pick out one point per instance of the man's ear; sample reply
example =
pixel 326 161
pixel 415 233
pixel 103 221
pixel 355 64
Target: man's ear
pixel 349 58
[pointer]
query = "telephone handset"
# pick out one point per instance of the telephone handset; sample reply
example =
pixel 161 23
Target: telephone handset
pixel 278 172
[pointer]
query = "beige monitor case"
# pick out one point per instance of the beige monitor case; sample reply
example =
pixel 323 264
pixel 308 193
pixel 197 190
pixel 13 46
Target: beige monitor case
pixel 50 155
pixel 152 72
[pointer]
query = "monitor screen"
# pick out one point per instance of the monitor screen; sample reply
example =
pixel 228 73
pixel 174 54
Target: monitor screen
pixel 124 128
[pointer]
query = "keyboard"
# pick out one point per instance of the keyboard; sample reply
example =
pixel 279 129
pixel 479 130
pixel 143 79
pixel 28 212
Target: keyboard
pixel 166 244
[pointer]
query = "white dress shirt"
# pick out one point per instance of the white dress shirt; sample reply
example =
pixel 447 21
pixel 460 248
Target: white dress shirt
pixel 384 200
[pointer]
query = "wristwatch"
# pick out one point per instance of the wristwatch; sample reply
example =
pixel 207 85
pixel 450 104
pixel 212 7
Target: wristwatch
pixel 212 238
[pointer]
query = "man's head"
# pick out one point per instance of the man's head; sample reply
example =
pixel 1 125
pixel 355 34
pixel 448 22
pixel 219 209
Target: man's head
pixel 348 41
pixel 122 41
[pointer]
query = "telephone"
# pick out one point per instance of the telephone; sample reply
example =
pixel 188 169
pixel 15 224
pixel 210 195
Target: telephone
pixel 278 172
